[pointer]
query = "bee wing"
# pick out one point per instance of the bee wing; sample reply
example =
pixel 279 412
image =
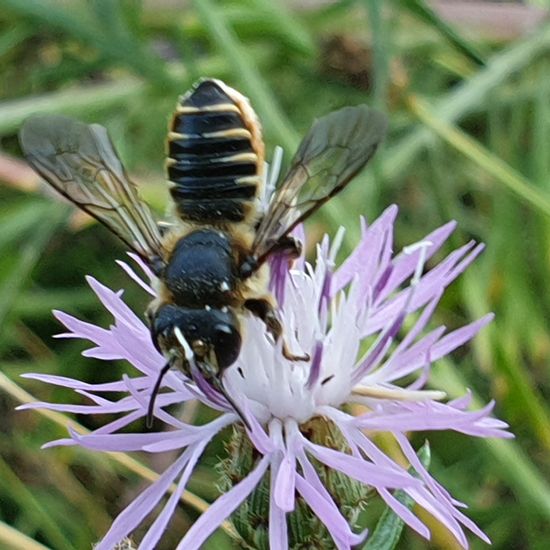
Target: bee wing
pixel 81 163
pixel 334 150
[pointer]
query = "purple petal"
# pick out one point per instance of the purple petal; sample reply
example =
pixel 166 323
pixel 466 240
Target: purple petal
pixel 80 329
pixel 76 409
pixel 129 442
pixel 159 525
pixel 420 324
pixel 379 349
pixel 124 405
pixel 278 533
pixel 405 264
pixel 361 470
pixel 438 490
pixel 257 433
pixel 181 438
pixel 65 442
pixel 142 506
pixel 430 415
pixel 279 266
pixel 114 304
pixel 441 496
pixel 315 368
pixel 376 266
pixel 285 482
pixel 430 285
pixel 364 258
pixel 143 266
pixel 458 337
pixel 404 513
pixel 132 274
pixel 222 508
pixel 102 354
pixel 441 513
pixel 312 478
pixel 134 345
pixel 140 382
pixel 402 363
pixel 119 423
pixel 328 513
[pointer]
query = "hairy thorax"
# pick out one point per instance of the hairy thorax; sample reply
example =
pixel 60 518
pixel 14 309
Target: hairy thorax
pixel 203 269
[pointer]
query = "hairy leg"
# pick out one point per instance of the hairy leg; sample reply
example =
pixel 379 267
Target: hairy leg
pixel 264 310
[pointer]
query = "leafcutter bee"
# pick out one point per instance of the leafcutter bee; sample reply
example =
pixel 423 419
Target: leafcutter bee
pixel 211 262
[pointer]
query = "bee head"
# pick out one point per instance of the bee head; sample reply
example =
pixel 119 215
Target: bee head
pixel 212 334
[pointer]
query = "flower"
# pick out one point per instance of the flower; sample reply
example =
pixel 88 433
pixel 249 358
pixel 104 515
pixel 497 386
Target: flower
pixel 350 320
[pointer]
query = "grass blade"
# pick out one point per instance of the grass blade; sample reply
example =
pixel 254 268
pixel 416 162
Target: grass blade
pixel 493 164
pixel 14 539
pixel 29 255
pixel 464 99
pixel 427 14
pixel 78 101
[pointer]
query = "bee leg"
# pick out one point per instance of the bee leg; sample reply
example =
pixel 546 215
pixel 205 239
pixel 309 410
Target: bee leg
pixel 264 310
pixel 289 246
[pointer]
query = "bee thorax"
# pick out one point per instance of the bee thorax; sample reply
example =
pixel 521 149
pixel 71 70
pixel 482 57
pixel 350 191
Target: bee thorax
pixel 201 270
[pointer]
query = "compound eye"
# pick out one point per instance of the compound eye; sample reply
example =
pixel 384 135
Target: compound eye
pixel 227 344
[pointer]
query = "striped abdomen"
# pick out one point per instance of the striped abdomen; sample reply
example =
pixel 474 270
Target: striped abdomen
pixel 215 155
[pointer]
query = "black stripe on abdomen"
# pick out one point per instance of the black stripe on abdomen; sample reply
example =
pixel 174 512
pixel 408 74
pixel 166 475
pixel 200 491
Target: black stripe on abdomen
pixel 204 122
pixel 201 148
pixel 209 168
pixel 212 188
pixel 211 159
pixel 213 210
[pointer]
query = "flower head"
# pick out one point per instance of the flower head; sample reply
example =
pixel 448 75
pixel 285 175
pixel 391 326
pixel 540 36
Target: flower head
pixel 350 321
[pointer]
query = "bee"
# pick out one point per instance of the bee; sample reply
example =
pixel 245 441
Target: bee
pixel 211 261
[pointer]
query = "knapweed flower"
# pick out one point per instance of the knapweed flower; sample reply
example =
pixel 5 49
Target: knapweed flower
pixel 351 322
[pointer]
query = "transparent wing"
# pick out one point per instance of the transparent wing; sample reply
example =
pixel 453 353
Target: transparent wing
pixel 334 150
pixel 80 162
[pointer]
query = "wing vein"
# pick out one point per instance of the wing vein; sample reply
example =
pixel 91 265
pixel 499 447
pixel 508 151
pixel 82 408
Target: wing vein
pixel 80 162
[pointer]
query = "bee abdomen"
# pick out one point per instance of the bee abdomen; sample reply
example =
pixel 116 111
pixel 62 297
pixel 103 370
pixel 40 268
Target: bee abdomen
pixel 215 155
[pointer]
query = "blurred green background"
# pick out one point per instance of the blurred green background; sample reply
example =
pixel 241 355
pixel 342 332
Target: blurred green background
pixel 466 86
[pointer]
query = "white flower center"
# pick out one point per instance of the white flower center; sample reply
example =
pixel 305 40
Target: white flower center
pixel 279 388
